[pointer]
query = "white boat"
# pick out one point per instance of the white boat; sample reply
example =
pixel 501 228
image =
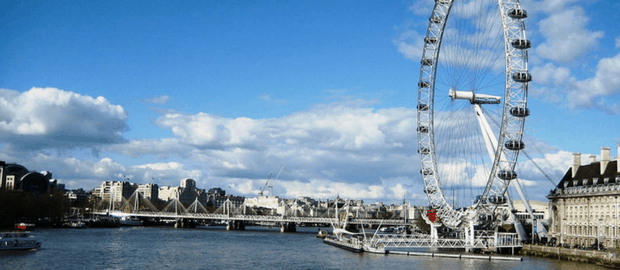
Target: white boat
pixel 130 221
pixel 387 230
pixel 18 241
pixel 74 224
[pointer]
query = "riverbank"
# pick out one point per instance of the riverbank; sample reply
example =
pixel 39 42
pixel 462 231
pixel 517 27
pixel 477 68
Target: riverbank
pixel 603 258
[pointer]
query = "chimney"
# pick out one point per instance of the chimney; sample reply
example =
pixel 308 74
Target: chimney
pixel 576 162
pixel 592 159
pixel 618 160
pixel 604 158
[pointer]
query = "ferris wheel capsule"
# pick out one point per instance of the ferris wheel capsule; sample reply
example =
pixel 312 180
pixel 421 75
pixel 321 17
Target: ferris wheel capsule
pixel 522 77
pixel 519 111
pixel 497 199
pixel 521 43
pixel 517 13
pixel 514 145
pixel 507 175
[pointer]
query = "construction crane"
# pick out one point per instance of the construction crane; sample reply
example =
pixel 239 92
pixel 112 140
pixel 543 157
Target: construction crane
pixel 262 190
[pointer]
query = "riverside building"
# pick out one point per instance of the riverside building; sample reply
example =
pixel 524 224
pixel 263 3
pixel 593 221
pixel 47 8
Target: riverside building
pixel 584 205
pixel 17 177
pixel 116 190
pixel 186 193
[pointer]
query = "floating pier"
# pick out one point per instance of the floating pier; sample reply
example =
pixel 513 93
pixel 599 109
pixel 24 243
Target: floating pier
pixel 459 256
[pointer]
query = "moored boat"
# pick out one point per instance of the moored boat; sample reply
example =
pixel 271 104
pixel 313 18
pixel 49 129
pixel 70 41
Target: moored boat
pixel 130 221
pixel 107 222
pixel 18 241
pixel 322 234
pixel 24 226
pixel 76 224
pixel 349 243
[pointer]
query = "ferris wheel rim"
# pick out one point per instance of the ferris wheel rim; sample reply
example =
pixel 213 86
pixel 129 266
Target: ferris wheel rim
pixel 513 116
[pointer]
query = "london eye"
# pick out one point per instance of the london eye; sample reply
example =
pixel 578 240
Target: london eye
pixel 472 105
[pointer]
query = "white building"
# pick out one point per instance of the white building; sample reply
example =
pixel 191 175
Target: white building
pixel 187 193
pixel 584 205
pixel 117 190
pixel 149 191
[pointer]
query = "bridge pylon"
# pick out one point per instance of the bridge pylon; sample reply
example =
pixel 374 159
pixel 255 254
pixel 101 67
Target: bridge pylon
pixel 236 225
pixel 288 227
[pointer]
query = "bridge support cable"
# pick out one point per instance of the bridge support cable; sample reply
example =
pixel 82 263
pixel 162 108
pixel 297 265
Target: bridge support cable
pixel 492 144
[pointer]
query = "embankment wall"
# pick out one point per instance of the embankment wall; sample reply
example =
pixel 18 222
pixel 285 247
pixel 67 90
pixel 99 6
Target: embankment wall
pixel 605 258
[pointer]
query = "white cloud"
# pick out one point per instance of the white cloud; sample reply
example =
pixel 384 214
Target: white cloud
pixel 330 189
pixel 551 74
pixel 163 99
pixel 88 174
pixel 330 150
pixel 52 117
pixel 566 35
pixel 266 97
pixel 558 85
pixel 204 130
pixel 161 148
pixel 593 91
pixel 552 164
pixel 341 144
pixel 422 7
pixel 548 6
pixel 555 77
pixel 410 44
pixel 161 166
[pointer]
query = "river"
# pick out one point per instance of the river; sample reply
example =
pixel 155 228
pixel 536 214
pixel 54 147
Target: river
pixel 216 248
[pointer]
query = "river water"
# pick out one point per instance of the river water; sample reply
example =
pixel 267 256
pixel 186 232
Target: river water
pixel 216 248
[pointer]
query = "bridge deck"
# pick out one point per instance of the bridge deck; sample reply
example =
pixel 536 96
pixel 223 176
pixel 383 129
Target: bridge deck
pixel 256 218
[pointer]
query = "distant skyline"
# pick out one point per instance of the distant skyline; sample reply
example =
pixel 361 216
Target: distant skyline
pixel 226 92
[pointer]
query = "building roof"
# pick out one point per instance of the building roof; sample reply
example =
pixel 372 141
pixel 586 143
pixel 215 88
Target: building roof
pixel 591 173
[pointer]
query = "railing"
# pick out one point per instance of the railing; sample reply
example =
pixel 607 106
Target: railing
pixel 383 241
pixel 507 240
pixel 256 218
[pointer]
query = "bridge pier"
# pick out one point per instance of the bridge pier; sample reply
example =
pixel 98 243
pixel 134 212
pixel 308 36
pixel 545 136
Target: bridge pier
pixel 236 225
pixel 185 223
pixel 288 227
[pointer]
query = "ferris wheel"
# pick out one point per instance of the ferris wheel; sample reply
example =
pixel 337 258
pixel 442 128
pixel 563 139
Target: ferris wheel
pixel 472 105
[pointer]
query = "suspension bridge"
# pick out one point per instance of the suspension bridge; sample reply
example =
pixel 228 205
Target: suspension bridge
pixel 236 217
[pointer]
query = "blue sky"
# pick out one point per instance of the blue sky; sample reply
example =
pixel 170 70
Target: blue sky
pixel 225 92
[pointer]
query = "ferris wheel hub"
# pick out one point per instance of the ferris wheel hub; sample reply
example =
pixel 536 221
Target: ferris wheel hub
pixel 473 97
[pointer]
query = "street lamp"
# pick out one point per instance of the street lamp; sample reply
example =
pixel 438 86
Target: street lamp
pixel 598 240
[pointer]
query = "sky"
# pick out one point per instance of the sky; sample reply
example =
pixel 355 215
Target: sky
pixel 228 92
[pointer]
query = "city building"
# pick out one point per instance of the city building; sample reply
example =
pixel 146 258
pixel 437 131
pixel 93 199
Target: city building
pixel 187 193
pixel 266 202
pixel 116 190
pixel 584 205
pixel 17 177
pixel 149 191
pixel 77 196
pixel 217 199
pixel 540 209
